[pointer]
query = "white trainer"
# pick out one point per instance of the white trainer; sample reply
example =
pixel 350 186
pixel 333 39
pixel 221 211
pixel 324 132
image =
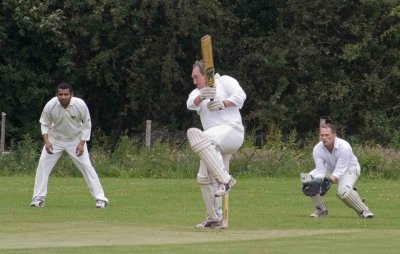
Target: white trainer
pixel 210 223
pixel 101 203
pixel 367 214
pixel 37 202
pixel 224 188
pixel 319 213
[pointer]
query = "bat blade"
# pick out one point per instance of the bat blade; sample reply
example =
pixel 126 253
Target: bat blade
pixel 207 53
pixel 226 205
pixel 226 211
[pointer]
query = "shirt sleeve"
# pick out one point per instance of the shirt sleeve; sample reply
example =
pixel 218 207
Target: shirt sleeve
pixel 320 168
pixel 86 122
pixel 190 101
pixel 45 118
pixel 342 162
pixel 234 90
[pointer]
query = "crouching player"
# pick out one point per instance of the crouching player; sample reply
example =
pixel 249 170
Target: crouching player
pixel 334 163
pixel 218 108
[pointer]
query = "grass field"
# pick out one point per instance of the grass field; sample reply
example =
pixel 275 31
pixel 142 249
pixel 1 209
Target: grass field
pixel 267 215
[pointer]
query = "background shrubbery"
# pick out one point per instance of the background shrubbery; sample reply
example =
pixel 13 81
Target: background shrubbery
pixel 278 157
pixel 131 61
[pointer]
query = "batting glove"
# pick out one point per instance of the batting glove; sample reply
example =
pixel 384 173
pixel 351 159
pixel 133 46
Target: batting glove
pixel 215 106
pixel 208 93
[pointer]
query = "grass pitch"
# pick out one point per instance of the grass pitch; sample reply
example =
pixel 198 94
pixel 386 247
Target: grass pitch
pixel 267 215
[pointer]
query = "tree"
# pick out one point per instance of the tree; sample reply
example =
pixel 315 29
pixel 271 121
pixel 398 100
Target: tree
pixel 131 61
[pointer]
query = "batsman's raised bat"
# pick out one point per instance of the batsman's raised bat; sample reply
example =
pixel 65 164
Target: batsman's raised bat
pixel 206 51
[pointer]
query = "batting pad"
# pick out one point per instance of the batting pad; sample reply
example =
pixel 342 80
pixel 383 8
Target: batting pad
pixel 207 192
pixel 318 202
pixel 353 200
pixel 217 200
pixel 208 154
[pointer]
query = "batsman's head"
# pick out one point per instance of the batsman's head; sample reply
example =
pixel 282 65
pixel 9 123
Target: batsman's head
pixel 198 74
pixel 64 94
pixel 327 134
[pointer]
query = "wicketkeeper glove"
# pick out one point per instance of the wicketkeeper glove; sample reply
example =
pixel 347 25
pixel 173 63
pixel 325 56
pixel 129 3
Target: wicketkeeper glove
pixel 312 188
pixel 215 105
pixel 208 93
pixel 325 185
pixel 317 186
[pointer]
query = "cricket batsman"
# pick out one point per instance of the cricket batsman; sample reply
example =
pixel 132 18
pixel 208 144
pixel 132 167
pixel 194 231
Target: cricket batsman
pixel 222 135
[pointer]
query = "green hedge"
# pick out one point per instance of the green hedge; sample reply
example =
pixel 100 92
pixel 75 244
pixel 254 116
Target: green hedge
pixel 165 160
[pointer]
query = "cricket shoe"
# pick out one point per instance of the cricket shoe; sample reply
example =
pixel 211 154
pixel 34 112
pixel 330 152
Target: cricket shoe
pixel 319 213
pixel 211 224
pixel 37 202
pixel 101 203
pixel 224 188
pixel 366 214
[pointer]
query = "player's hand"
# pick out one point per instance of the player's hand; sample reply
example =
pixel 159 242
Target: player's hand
pixel 208 93
pixel 49 148
pixel 215 106
pixel 79 150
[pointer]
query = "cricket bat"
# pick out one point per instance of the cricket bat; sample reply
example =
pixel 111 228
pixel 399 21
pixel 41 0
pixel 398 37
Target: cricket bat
pixel 226 211
pixel 206 51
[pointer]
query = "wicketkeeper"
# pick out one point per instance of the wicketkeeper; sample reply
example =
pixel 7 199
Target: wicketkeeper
pixel 223 135
pixel 334 163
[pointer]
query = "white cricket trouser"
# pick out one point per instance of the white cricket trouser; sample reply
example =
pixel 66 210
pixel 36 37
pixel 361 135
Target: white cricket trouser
pixel 349 178
pixel 227 139
pixel 83 163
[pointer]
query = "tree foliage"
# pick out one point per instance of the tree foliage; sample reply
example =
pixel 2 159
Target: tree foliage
pixel 131 61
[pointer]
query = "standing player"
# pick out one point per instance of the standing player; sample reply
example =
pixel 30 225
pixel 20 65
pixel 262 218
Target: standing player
pixel 66 126
pixel 223 135
pixel 335 162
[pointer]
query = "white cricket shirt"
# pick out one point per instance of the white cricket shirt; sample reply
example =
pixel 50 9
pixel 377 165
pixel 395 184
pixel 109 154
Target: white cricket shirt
pixel 72 122
pixel 337 162
pixel 228 88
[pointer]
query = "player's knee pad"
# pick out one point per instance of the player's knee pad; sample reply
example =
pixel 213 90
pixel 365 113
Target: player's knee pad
pixel 198 140
pixel 351 198
pixel 343 191
pixel 203 180
pixel 210 157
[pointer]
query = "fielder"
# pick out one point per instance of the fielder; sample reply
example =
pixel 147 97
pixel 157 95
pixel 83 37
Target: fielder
pixel 218 108
pixel 335 162
pixel 66 126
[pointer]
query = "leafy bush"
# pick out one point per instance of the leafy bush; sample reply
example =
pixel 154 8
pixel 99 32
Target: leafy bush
pixel 278 157
pixel 377 161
